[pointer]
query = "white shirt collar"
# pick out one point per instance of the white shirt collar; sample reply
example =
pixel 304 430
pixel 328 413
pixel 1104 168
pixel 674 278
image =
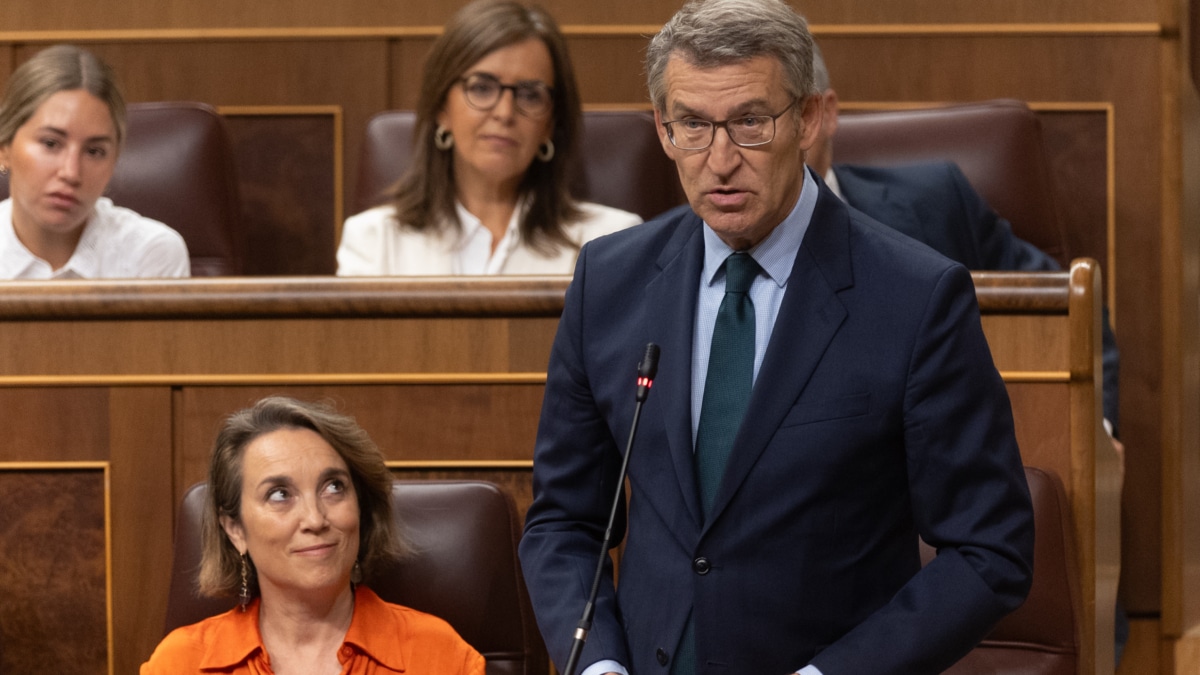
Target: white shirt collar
pixel 832 183
pixel 18 262
pixel 472 253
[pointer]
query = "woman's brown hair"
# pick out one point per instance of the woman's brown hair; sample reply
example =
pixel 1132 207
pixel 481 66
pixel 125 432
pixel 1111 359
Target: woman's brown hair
pixel 379 540
pixel 424 196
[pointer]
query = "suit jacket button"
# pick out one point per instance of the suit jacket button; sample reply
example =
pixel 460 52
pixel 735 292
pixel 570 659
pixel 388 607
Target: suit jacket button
pixel 661 656
pixel 700 566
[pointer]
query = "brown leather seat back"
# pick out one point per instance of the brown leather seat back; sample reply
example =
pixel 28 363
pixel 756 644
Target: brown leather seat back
pixel 464 569
pixel 997 144
pixel 1042 636
pixel 620 161
pixel 177 167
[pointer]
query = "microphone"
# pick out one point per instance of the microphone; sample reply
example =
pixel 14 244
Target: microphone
pixel 646 371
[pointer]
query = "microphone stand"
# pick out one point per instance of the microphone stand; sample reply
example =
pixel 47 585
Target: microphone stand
pixel 647 369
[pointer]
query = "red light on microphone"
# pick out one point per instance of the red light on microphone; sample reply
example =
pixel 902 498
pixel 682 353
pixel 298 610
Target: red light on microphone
pixel 645 382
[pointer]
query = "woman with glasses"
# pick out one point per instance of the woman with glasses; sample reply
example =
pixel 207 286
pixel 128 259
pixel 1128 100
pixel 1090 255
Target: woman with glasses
pixel 486 193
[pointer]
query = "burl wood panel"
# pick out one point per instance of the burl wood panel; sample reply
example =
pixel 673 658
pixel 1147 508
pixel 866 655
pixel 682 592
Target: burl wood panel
pixel 285 166
pixel 53 615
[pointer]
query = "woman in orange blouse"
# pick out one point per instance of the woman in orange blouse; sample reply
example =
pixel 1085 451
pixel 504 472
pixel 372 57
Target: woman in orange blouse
pixel 299 508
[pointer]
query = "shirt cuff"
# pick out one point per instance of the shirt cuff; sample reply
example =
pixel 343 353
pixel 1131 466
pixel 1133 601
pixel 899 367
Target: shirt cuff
pixel 809 670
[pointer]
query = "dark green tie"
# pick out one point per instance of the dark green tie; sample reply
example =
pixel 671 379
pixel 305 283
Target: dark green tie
pixel 726 394
pixel 730 377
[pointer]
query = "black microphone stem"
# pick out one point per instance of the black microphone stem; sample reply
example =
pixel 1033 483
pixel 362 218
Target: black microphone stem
pixel 650 365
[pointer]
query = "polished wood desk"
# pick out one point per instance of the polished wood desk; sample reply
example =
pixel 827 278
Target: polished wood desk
pixel 111 393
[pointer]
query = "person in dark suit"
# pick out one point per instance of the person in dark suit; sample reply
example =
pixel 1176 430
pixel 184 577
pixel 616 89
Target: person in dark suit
pixel 934 203
pixel 825 396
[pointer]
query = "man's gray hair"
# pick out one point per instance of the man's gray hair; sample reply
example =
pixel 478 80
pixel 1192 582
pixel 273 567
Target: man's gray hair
pixel 711 33
pixel 820 72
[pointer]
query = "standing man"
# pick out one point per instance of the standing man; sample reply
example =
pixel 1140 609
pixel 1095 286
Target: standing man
pixel 825 395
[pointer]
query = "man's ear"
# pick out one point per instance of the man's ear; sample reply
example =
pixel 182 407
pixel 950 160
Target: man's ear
pixel 811 116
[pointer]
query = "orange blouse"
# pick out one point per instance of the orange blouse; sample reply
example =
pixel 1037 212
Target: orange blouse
pixel 383 638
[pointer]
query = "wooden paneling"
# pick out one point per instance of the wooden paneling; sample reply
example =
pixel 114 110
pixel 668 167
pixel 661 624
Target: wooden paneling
pixel 28 15
pixel 288 168
pixel 34 430
pixel 442 396
pixel 140 448
pixel 411 423
pixel 53 571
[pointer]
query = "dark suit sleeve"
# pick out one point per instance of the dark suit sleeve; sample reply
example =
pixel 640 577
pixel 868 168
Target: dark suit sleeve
pixel 1000 249
pixel 576 464
pixel 969 500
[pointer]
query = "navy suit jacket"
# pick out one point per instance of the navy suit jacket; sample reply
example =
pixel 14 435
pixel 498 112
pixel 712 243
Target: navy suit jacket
pixel 936 205
pixel 877 416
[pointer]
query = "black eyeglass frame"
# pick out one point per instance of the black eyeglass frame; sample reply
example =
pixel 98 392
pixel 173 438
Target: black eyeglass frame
pixel 714 124
pixel 465 80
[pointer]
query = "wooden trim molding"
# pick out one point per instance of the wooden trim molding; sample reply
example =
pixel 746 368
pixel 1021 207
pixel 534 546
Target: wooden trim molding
pixel 462 465
pixel 283 297
pixel 333 297
pixel 269 379
pixel 623 31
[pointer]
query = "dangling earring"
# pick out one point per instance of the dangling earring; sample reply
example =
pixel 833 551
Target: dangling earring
pixel 546 151
pixel 244 595
pixel 442 138
pixel 3 170
pixel 356 574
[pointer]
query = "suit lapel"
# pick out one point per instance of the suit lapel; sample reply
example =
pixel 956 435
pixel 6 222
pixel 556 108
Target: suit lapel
pixel 875 198
pixel 809 317
pixel 671 300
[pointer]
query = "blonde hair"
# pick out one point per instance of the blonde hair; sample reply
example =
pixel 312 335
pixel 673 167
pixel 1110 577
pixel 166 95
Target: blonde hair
pixel 58 68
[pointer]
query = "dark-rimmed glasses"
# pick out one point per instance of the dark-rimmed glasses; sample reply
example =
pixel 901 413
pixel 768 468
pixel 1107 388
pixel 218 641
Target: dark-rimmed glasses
pixel 694 133
pixel 483 92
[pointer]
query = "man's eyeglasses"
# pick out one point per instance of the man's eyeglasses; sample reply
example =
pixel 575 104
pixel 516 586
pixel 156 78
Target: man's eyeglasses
pixel 483 92
pixel 749 131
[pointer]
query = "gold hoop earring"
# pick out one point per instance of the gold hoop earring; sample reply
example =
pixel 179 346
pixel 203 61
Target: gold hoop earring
pixel 442 138
pixel 546 151
pixel 244 594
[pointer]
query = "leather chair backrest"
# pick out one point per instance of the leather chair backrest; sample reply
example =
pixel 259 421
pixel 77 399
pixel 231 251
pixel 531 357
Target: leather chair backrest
pixel 620 161
pixel 177 167
pixel 1042 636
pixel 465 569
pixel 997 144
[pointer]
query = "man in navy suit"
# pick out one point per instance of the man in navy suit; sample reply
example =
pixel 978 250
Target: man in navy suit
pixel 825 396
pixel 934 203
